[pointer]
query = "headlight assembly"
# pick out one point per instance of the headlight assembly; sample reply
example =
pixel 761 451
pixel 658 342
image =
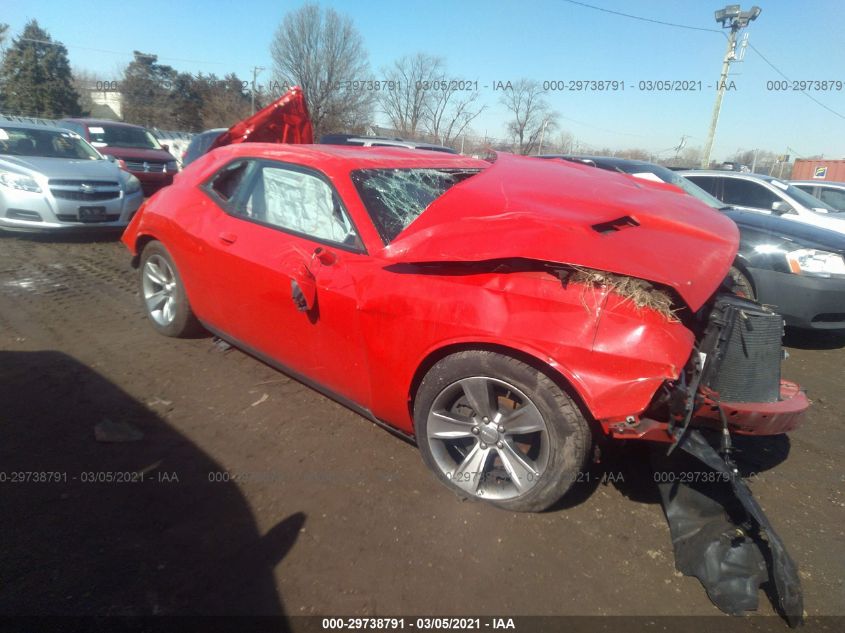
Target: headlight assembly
pixel 20 182
pixel 132 184
pixel 809 261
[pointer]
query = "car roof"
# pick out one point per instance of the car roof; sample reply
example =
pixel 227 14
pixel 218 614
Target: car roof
pixel 730 174
pixel 30 126
pixel 604 160
pixel 343 139
pixel 102 122
pixel 354 157
pixel 819 183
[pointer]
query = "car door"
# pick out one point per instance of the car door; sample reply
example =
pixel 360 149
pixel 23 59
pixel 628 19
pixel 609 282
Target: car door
pixel 739 192
pixel 285 259
pixel 710 184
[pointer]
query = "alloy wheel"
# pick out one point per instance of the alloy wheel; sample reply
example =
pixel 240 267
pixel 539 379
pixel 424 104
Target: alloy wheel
pixel 160 288
pixel 488 438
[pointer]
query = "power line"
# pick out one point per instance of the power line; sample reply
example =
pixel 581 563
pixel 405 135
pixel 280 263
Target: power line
pixel 601 129
pixel 698 28
pixel 803 92
pixel 641 19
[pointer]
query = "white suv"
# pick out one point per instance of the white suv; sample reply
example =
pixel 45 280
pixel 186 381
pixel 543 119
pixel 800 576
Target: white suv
pixel 766 194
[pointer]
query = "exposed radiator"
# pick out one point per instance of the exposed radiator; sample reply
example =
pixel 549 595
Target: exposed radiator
pixel 746 342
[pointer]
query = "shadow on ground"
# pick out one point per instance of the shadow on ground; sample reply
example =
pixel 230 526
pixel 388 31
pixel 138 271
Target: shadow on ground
pixel 175 543
pixel 627 466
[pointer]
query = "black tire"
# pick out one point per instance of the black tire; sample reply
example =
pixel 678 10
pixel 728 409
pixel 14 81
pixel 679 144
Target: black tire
pixel 742 285
pixel 181 321
pixel 566 435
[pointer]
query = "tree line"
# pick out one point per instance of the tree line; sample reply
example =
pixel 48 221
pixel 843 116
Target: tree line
pixel 36 80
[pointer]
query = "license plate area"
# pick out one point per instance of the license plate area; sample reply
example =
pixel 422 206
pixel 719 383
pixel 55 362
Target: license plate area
pixel 92 214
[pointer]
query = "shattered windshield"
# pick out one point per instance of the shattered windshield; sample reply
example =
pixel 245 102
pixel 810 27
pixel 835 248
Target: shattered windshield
pixel 396 197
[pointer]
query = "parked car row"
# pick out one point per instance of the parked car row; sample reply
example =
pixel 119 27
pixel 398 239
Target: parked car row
pixel 791 246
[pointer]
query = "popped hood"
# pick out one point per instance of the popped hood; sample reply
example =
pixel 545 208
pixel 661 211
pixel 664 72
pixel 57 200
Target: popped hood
pixel 560 212
pixel 286 120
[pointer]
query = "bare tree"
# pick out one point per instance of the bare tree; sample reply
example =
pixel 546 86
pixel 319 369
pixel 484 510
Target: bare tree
pixel 532 117
pixel 450 110
pixel 563 143
pixel 321 51
pixel 635 153
pixel 413 83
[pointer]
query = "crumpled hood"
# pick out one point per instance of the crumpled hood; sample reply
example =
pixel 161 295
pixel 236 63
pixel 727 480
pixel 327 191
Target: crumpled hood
pixel 286 120
pixel 566 213
pixel 64 168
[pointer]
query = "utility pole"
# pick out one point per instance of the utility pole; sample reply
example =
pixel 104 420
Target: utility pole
pixel 733 18
pixel 542 136
pixel 255 71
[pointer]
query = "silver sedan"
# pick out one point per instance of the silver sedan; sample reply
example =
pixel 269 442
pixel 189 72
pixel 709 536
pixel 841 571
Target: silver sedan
pixel 53 180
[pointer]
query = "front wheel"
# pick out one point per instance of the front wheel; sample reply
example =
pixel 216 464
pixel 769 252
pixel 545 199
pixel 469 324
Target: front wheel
pixel 742 285
pixel 493 428
pixel 163 293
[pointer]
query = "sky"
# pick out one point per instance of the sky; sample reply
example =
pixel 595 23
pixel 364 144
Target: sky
pixel 492 41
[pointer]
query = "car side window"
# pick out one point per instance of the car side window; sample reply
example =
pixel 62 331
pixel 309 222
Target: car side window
pixel 833 197
pixel 748 194
pixel 225 184
pixel 300 202
pixel 707 183
pixel 74 127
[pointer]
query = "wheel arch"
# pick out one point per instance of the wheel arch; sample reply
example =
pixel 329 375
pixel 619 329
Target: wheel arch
pixel 559 374
pixel 742 264
pixel 140 243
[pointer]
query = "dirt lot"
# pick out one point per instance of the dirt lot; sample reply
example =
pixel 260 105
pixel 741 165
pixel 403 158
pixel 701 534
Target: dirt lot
pixel 330 514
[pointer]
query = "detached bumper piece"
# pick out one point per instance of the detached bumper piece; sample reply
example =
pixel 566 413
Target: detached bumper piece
pixel 721 535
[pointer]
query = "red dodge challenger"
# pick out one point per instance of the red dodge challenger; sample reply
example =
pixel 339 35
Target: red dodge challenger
pixel 504 314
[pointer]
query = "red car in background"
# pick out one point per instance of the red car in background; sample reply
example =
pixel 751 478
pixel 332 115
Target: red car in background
pixel 501 314
pixel 141 154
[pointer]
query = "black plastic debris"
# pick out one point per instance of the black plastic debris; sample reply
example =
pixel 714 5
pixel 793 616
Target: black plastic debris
pixel 721 535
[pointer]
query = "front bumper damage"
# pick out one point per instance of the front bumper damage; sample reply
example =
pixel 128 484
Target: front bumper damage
pixel 731 386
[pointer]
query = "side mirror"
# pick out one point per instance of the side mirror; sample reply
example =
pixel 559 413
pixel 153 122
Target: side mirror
pixel 166 148
pixel 781 208
pixel 303 286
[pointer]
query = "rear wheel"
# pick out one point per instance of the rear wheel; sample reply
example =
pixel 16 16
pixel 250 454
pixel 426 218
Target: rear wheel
pixel 493 428
pixel 163 293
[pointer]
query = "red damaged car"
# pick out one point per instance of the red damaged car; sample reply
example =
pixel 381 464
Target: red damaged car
pixel 503 314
